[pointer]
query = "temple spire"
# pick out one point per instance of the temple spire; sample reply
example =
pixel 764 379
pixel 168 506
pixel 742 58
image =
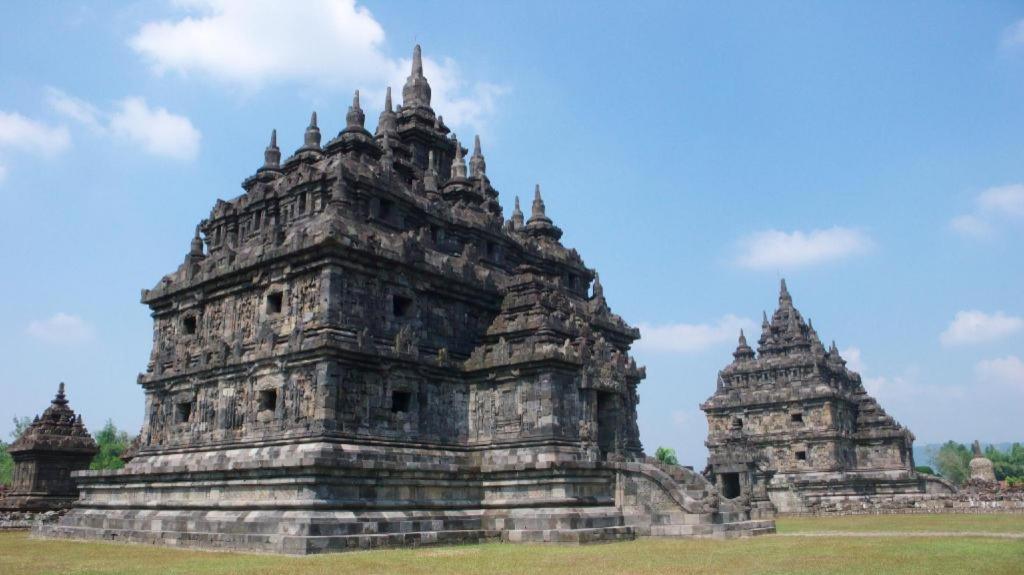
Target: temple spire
pixel 386 122
pixel 477 165
pixel 517 216
pixel 459 163
pixel 743 351
pixel 196 250
pixel 598 288
pixel 355 118
pixel 784 292
pixel 59 399
pixel 416 92
pixel 272 155
pixel 311 139
pixel 537 210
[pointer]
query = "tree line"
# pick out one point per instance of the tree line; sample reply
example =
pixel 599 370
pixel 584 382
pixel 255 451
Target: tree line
pixel 952 462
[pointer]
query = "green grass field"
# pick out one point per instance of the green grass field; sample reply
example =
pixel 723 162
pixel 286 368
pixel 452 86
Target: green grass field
pixel 791 553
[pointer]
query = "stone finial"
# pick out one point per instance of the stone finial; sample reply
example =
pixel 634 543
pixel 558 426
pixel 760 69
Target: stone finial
pixel 537 210
pixel 976 447
pixel 517 216
pixel 387 121
pixel 432 162
pixel 743 351
pixel 355 118
pixel 598 288
pixel 196 249
pixel 311 140
pixel 272 155
pixel 784 292
pixel 477 165
pixel 416 92
pixel 60 399
pixel 459 163
pixel 539 223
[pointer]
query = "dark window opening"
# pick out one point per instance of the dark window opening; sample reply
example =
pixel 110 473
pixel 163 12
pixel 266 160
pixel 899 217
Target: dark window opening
pixel 607 421
pixel 302 203
pixel 400 401
pixel 182 411
pixel 492 251
pixel 268 399
pixel 731 485
pixel 436 234
pixel 797 417
pixel 384 209
pixel 574 281
pixel 400 306
pixel 737 423
pixel 275 301
pixel 801 456
pixel 189 324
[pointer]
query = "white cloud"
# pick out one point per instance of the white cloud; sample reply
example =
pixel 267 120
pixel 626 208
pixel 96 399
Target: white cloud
pixel 160 132
pixel 1013 37
pixel 972 326
pixel 74 108
pixel 61 328
pixel 774 249
pixel 328 44
pixel 853 358
pixel 1006 373
pixel 688 338
pixel 20 133
pixel 991 207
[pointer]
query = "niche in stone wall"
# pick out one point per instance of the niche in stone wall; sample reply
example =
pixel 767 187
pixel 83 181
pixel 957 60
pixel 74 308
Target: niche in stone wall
pixel 801 455
pixel 797 418
pixel 401 401
pixel 182 411
pixel 401 306
pixel 189 324
pixel 267 400
pixel 275 302
pixel 731 485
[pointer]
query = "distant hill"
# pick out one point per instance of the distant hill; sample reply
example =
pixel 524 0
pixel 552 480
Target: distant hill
pixel 923 453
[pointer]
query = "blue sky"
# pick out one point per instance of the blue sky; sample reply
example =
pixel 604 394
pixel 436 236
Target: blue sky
pixel 871 153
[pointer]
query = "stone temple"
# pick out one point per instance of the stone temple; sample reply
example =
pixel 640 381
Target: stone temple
pixel 54 445
pixel 793 428
pixel 361 351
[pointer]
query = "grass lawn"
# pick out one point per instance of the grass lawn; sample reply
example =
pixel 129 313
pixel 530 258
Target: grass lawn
pixel 768 554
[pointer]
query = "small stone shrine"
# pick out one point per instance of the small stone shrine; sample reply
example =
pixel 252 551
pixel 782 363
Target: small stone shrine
pixel 54 445
pixel 981 466
pixel 361 351
pixel 791 427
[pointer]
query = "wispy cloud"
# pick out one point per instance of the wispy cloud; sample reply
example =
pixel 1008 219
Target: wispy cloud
pixel 1013 37
pixel 992 208
pixel 61 328
pixel 691 338
pixel 156 130
pixel 19 134
pixel 1004 373
pixel 854 359
pixel 327 44
pixel 774 249
pixel 160 132
pixel 972 326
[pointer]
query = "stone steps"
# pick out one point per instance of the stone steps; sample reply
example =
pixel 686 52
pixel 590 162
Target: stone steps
pixel 570 536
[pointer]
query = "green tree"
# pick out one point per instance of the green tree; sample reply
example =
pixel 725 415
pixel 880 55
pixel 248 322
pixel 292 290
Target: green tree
pixel 666 455
pixel 1007 464
pixel 924 469
pixel 112 443
pixel 953 462
pixel 6 462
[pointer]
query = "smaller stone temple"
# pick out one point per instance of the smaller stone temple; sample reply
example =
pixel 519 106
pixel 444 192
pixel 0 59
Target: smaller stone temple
pixel 54 445
pixel 791 427
pixel 981 466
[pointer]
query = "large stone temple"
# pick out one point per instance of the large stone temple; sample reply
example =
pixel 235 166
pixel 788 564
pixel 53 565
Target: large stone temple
pixel 792 428
pixel 55 445
pixel 361 351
